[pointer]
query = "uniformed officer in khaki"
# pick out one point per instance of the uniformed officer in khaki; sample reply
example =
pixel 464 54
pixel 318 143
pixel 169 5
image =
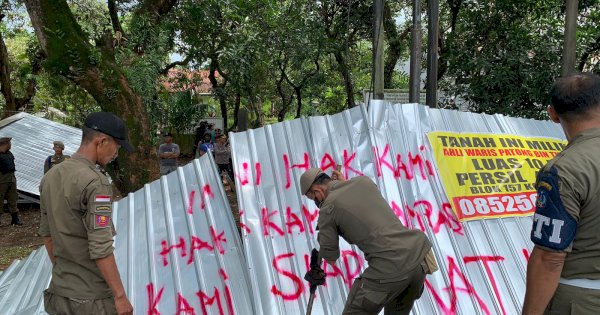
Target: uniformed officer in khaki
pixel 57 157
pixel 8 180
pixel 355 210
pixel 76 223
pixel 563 272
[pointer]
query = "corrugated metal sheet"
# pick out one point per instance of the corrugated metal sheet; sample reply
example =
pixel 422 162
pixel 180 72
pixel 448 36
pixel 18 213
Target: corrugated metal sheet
pixel 177 246
pixel 32 144
pixel 177 239
pixel 278 234
pixel 21 285
pixel 482 263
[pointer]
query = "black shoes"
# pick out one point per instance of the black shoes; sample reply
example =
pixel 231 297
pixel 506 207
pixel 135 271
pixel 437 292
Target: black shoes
pixel 15 220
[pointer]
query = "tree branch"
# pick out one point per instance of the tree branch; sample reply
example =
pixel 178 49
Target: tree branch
pixel 114 17
pixel 586 54
pixel 170 66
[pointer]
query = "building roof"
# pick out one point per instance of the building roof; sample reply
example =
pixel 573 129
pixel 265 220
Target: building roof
pixel 178 80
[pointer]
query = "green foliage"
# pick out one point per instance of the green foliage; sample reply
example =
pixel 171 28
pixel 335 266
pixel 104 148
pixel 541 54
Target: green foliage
pixel 503 55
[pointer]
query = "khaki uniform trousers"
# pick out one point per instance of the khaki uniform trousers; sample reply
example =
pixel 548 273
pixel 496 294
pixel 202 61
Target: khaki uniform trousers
pixel 570 300
pixel 369 296
pixel 8 192
pixel 59 305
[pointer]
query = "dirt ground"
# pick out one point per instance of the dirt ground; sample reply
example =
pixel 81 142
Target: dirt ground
pixel 19 242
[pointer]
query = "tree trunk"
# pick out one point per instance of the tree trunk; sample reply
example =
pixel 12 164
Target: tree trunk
pixel 5 84
pixel 298 91
pixel 236 110
pixel 344 70
pixel 219 90
pixel 68 52
pixel 285 101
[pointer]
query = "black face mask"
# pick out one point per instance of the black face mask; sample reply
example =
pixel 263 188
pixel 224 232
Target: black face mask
pixel 318 203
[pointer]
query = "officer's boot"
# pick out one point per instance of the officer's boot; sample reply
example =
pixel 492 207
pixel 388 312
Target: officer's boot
pixel 15 220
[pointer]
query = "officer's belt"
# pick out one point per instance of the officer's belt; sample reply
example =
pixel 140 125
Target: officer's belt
pixel 582 283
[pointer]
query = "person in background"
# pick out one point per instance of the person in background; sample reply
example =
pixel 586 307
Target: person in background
pixel 8 180
pixel 203 149
pixel 200 130
pixel 222 155
pixel 211 131
pixel 168 152
pixel 57 158
pixel 207 140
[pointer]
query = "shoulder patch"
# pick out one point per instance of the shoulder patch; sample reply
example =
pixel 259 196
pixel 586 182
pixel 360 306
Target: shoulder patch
pixel 553 227
pixel 102 198
pixel 101 221
pixel 107 209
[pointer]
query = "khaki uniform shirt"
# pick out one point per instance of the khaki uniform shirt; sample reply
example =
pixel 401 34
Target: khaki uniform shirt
pixel 76 211
pixel 54 160
pixel 573 228
pixel 356 211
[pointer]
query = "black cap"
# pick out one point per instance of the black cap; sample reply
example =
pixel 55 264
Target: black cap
pixel 168 134
pixel 111 125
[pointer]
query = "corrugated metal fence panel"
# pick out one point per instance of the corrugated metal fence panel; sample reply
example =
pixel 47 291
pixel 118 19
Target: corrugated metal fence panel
pixel 490 254
pixel 32 144
pixel 23 292
pixel 278 224
pixel 177 241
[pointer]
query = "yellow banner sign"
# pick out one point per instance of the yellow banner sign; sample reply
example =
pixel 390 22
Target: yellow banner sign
pixel 489 175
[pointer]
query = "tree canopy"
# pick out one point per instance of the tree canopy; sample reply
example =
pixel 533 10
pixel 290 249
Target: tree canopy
pixel 152 62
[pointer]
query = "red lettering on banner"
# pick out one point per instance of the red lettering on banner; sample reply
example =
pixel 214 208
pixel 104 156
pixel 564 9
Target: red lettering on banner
pixel 400 214
pixel 206 300
pixel 347 161
pixel 244 178
pixel 347 276
pixel 413 214
pixel 310 218
pixel 486 260
pixel 288 168
pixel 190 208
pixel 153 300
pixel 243 225
pixel 414 161
pixel 444 216
pixel 223 274
pixel 297 281
pixel 183 307
pixel 350 275
pixel 327 162
pixel 228 298
pixel 267 224
pixel 198 244
pixel 526 254
pixel 258 173
pixel 167 249
pixel 451 220
pixel 206 193
pixel 453 289
pixel 380 160
pixel 291 219
pixel 427 163
pixel 218 239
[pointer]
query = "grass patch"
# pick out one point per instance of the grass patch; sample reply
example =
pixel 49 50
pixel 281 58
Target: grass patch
pixel 8 254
